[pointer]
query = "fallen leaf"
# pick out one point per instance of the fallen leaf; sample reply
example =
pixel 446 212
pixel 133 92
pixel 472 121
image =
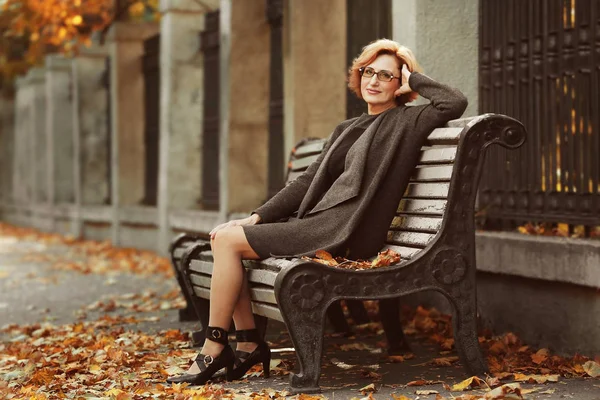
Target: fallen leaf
pixel 426 392
pixel 508 391
pixel 592 368
pixel 400 397
pixel 369 388
pixel 444 361
pixel 536 378
pixel 540 356
pixel 548 391
pixel 422 382
pixel 403 358
pixel 468 383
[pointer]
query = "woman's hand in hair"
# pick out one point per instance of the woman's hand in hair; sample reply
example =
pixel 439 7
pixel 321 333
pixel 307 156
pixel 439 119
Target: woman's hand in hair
pixel 405 87
pixel 251 220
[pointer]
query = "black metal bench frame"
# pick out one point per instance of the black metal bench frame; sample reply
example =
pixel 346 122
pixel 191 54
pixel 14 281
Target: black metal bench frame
pixel 303 290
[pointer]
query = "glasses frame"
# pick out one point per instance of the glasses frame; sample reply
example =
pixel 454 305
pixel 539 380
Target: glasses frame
pixel 361 71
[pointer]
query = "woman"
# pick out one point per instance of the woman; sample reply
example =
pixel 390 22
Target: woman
pixel 344 202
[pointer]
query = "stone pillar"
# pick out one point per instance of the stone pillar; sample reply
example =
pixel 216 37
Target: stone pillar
pixel 7 116
pixel 127 112
pixel 443 34
pixel 59 129
pixel 91 125
pixel 181 102
pixel 38 139
pixel 314 69
pixel 22 166
pixel 247 101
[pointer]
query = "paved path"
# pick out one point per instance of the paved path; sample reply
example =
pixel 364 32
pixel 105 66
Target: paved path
pixel 32 292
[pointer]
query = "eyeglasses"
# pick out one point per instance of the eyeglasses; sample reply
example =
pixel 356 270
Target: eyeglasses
pixel 383 75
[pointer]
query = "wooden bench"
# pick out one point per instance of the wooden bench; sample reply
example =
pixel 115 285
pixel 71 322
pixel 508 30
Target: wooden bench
pixel 434 232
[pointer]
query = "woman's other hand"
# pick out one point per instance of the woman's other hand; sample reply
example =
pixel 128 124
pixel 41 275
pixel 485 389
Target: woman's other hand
pixel 405 87
pixel 251 220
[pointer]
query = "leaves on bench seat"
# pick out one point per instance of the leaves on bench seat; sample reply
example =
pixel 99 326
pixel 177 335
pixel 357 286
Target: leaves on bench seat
pixel 384 259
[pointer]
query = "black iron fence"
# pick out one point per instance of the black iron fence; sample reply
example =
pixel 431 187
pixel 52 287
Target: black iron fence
pixel 540 63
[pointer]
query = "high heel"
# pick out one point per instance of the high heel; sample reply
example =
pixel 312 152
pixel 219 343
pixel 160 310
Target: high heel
pixel 209 365
pixel 244 360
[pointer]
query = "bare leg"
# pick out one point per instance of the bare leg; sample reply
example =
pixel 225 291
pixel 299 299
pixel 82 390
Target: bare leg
pixel 229 293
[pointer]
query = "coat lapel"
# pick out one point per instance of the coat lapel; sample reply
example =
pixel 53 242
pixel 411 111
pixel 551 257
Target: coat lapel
pixel 348 184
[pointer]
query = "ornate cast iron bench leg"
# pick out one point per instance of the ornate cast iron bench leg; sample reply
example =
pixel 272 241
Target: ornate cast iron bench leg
pixel 303 302
pixel 464 321
pixel 389 311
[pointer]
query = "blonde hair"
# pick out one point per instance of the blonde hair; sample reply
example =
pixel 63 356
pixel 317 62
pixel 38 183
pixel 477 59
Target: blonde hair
pixel 373 50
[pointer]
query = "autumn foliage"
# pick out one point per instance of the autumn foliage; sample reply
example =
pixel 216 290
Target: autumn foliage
pixel 31 28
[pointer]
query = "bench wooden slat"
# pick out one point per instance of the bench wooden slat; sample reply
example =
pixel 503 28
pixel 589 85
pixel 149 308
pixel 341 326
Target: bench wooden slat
pixel 201 280
pixel 263 309
pixel 302 164
pixel 267 310
pixel 178 252
pixel 273 264
pixel 438 155
pixel 261 294
pixel 422 207
pixel 261 276
pixel 437 190
pixel 406 238
pixel 406 253
pixel 310 148
pixel 416 223
pixel 448 135
pixel 437 173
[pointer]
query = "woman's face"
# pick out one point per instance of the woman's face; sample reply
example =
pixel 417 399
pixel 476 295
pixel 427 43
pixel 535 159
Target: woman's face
pixel 378 94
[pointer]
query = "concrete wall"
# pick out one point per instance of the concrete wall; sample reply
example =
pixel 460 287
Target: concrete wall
pixel 443 34
pixel 314 69
pixel 248 73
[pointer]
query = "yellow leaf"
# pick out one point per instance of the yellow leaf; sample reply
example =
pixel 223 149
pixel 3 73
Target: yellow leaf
pixel 536 378
pixel 369 388
pixel 77 20
pixel 508 391
pixel 467 384
pixel 592 368
pixel 95 369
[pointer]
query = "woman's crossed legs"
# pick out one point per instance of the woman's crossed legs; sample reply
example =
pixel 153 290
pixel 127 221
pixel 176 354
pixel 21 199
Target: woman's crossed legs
pixel 229 290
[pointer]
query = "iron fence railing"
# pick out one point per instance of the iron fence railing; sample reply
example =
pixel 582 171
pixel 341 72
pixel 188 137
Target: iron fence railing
pixel 540 63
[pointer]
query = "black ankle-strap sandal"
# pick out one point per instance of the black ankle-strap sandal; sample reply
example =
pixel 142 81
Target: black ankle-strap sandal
pixel 208 364
pixel 217 334
pixel 248 335
pixel 245 360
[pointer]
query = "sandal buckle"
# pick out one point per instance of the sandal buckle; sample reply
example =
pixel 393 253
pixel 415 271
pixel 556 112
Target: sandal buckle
pixel 208 359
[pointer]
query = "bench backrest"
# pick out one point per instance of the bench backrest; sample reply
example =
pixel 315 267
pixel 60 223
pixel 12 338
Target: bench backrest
pixel 421 210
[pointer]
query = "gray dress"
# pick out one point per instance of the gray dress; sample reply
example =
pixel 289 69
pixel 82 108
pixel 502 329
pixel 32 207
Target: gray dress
pixel 296 236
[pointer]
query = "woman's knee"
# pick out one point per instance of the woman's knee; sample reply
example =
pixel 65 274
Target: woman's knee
pixel 225 238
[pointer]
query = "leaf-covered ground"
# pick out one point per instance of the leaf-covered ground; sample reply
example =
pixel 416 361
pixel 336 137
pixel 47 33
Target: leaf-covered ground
pixel 104 348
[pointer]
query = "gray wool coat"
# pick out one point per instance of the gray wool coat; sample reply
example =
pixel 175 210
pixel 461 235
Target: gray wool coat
pixel 351 216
